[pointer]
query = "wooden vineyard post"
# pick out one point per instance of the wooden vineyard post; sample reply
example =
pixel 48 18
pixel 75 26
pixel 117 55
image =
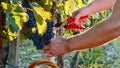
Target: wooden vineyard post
pixel 60 61
pixel 14 51
pixel 74 60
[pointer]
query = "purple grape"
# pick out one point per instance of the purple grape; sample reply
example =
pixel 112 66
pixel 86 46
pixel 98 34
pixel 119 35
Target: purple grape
pixel 41 41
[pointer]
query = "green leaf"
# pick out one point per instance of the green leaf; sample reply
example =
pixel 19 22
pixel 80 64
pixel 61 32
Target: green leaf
pixel 14 1
pixel 17 21
pixel 15 15
pixel 11 22
pixel 18 8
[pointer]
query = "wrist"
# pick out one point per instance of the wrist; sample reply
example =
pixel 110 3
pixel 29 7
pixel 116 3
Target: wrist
pixel 70 44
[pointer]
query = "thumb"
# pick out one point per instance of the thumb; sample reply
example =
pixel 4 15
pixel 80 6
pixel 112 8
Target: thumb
pixel 77 17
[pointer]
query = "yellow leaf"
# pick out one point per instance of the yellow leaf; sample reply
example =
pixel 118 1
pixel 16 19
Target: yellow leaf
pixel 80 4
pixel 40 21
pixel 47 2
pixel 17 10
pixel 11 35
pixel 4 5
pixel 24 17
pixel 41 28
pixel 69 7
pixel 17 21
pixel 45 14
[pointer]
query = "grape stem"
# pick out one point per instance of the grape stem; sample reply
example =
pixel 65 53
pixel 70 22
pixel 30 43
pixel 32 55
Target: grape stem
pixel 61 26
pixel 26 30
pixel 29 9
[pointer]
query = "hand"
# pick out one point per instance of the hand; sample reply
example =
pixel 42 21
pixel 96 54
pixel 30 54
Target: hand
pixel 57 47
pixel 85 11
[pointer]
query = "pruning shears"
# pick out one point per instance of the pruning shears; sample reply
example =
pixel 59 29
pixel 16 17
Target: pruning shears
pixel 70 25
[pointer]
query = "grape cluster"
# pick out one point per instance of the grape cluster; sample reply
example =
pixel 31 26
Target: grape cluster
pixel 40 41
pixel 37 40
pixel 49 32
pixel 3 18
pixel 31 21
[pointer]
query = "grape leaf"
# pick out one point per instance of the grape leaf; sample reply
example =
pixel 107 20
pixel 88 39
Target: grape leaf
pixel 40 20
pixel 79 3
pixel 41 28
pixel 4 5
pixel 17 21
pixel 46 4
pixel 69 7
pixel 11 35
pixel 11 23
pixel 44 14
pixel 14 1
pixel 24 17
pixel 14 14
pixel 18 8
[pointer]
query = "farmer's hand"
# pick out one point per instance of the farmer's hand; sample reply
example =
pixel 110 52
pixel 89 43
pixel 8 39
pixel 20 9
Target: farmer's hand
pixel 82 12
pixel 57 47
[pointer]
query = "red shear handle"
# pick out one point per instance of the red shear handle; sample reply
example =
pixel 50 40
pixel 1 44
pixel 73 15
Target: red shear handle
pixel 71 20
pixel 72 26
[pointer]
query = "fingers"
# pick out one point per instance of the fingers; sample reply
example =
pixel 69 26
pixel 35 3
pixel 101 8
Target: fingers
pixel 77 19
pixel 82 19
pixel 46 47
pixel 54 48
pixel 76 15
pixel 49 55
pixel 47 51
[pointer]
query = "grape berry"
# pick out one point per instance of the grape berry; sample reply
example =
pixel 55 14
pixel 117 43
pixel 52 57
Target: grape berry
pixel 40 41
